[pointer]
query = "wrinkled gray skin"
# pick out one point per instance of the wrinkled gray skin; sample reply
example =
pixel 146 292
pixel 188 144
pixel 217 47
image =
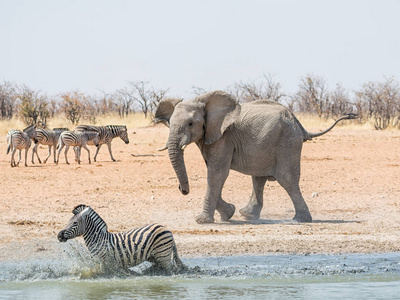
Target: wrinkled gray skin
pixel 262 139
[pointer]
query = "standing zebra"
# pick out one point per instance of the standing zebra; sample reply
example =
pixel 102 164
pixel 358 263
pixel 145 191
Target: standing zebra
pixel 49 138
pixel 80 139
pixel 107 134
pixel 151 243
pixel 18 139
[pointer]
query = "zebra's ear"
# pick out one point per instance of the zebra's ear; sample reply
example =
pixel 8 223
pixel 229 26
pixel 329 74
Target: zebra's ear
pixel 79 208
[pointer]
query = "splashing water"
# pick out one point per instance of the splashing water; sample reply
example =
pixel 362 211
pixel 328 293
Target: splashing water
pixel 44 260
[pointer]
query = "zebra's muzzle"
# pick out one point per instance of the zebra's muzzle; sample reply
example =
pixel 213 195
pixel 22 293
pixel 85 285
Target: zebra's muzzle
pixel 61 237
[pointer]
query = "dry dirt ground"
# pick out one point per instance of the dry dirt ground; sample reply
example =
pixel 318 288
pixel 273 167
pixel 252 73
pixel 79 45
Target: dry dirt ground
pixel 350 180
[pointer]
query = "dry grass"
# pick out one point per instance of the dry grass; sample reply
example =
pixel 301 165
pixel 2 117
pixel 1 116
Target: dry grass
pixel 132 121
pixel 310 122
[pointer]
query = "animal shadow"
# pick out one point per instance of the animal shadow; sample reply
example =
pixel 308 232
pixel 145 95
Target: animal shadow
pixel 285 221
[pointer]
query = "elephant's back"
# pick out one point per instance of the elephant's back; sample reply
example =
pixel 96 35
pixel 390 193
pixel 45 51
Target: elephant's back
pixel 267 116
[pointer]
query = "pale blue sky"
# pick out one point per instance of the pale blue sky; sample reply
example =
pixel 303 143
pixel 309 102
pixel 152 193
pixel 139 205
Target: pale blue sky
pixel 90 45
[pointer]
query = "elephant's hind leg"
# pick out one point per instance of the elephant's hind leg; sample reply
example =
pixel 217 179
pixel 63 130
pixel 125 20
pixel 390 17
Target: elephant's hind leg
pixel 290 182
pixel 226 210
pixel 253 209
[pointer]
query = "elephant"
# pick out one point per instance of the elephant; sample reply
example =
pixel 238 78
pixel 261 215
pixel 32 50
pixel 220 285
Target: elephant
pixel 262 139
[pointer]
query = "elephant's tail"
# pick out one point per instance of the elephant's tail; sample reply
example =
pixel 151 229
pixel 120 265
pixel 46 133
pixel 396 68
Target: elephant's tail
pixel 309 136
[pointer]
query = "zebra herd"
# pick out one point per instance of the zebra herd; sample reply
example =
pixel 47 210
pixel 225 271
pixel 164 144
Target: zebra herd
pixel 57 138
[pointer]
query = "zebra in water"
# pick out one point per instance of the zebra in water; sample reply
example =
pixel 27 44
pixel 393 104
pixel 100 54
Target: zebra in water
pixel 49 138
pixel 18 140
pixel 107 134
pixel 151 243
pixel 79 139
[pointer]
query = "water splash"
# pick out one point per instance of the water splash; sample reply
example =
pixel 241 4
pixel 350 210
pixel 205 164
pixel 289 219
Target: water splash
pixel 51 260
pixel 45 259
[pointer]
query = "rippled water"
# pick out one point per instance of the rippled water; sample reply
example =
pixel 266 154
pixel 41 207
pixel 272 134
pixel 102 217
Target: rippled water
pixel 65 271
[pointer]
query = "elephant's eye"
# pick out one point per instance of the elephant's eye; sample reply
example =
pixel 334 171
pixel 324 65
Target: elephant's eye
pixel 190 124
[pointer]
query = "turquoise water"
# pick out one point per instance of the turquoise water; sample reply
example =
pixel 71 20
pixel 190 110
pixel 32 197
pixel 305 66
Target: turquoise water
pixel 64 273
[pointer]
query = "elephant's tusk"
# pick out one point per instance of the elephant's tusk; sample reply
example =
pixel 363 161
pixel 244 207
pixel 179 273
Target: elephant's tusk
pixel 163 148
pixel 183 147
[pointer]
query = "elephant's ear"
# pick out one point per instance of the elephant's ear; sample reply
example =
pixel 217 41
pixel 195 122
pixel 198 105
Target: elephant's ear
pixel 165 110
pixel 222 110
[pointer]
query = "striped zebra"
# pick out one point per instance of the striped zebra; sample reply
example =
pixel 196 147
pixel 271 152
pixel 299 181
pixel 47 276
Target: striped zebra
pixel 151 243
pixel 49 138
pixel 18 140
pixel 79 139
pixel 107 134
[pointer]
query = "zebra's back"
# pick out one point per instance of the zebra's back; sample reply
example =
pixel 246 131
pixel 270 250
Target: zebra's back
pixel 72 138
pixel 106 133
pixel 47 137
pixel 147 243
pixel 18 139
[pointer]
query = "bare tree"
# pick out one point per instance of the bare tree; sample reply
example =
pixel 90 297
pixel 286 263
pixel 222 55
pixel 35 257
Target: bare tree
pixel 7 100
pixel 265 88
pixel 339 102
pixel 157 96
pixel 380 101
pixel 147 97
pixel 125 98
pixel 198 90
pixel 312 96
pixel 105 103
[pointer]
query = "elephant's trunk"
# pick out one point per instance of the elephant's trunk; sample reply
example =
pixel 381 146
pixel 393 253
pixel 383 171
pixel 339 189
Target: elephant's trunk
pixel 176 156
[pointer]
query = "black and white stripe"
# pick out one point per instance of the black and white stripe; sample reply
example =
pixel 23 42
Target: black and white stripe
pixel 49 138
pixel 79 139
pixel 107 134
pixel 151 243
pixel 18 140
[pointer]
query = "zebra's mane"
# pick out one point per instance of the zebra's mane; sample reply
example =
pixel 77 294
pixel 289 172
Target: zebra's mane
pixel 111 127
pixel 77 209
pixel 93 215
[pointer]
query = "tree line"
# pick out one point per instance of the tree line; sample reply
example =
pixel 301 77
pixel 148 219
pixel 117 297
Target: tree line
pixel 378 102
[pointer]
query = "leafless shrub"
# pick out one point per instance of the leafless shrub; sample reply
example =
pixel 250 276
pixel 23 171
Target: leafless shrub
pixel 7 100
pixel 147 97
pixel 338 102
pixel 381 102
pixel 312 96
pixel 72 105
pixel 124 98
pixel 103 104
pixel 264 88
pixel 33 107
pixel 197 91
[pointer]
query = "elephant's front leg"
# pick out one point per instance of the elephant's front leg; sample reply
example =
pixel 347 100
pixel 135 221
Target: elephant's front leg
pixel 212 201
pixel 253 209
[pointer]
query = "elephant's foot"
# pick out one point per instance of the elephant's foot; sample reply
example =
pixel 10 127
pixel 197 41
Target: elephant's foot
pixel 204 218
pixel 251 212
pixel 304 217
pixel 227 212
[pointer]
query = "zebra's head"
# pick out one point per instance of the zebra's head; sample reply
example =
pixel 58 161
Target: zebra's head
pixel 119 130
pixel 77 225
pixel 96 138
pixel 124 135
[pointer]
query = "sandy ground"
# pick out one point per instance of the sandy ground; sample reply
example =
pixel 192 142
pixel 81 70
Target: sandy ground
pixel 350 180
